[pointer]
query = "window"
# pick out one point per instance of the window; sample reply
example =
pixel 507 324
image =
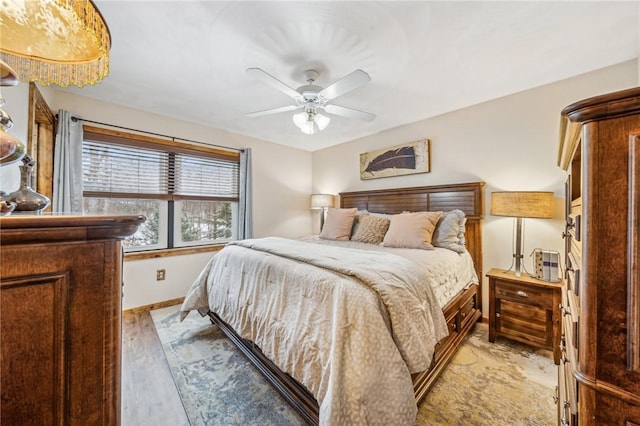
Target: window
pixel 188 193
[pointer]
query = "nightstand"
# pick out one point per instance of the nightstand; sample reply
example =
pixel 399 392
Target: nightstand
pixel 524 309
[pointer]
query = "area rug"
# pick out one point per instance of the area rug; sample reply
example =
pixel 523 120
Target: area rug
pixel 504 383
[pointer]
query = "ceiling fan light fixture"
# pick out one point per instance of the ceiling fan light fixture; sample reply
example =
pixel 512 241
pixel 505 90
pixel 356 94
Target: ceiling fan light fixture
pixel 309 121
pixel 304 121
pixel 308 128
pixel 322 121
pixel 300 119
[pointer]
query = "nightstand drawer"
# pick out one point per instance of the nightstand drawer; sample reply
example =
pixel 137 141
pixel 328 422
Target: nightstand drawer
pixel 528 324
pixel 529 295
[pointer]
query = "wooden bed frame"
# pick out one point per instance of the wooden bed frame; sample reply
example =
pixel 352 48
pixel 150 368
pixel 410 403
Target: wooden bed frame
pixel 461 313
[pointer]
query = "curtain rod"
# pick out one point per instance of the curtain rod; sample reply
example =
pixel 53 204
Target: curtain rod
pixel 73 118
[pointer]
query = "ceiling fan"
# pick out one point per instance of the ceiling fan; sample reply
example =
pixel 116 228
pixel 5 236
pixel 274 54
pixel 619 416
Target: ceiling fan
pixel 312 99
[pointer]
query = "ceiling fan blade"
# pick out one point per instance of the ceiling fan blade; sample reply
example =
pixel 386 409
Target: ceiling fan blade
pixel 346 84
pixel 267 78
pixel 349 112
pixel 273 110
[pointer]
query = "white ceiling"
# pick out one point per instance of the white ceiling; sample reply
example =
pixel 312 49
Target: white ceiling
pixel 187 59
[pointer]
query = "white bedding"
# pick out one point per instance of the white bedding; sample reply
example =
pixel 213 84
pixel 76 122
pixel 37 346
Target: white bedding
pixel 350 324
pixel 446 271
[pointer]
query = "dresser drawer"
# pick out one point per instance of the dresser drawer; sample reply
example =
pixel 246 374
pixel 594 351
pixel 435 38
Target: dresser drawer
pixel 529 295
pixel 570 314
pixel 567 398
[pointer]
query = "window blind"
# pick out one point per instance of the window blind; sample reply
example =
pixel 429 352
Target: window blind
pixel 118 168
pixel 203 176
pixel 140 172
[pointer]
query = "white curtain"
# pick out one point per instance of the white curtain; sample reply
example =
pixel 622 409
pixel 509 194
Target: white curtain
pixel 67 165
pixel 245 210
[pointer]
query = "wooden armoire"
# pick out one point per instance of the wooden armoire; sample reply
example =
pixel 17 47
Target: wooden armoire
pixel 599 376
pixel 60 318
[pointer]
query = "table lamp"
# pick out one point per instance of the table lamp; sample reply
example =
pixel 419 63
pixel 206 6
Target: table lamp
pixel 321 202
pixel 520 205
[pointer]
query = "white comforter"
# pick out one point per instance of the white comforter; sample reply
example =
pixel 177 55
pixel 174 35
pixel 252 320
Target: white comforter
pixel 351 325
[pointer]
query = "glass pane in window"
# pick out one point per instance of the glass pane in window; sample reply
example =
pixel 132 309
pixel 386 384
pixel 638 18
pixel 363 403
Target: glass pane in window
pixel 204 222
pixel 151 234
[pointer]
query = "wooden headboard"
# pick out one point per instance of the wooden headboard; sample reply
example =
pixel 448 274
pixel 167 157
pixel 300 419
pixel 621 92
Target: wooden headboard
pixel 464 196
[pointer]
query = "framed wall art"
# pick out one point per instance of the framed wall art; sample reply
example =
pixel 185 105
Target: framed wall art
pixel 405 159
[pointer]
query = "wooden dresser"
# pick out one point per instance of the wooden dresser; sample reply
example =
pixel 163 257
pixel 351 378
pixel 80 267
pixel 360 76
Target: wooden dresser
pixel 60 328
pixel 599 376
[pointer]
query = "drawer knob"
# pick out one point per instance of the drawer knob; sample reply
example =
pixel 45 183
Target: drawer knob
pixel 521 293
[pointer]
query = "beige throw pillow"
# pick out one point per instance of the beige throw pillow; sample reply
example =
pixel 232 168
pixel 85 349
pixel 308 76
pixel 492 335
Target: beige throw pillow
pixel 411 230
pixel 337 225
pixel 372 229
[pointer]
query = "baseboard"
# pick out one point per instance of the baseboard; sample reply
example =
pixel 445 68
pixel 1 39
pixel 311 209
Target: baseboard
pixel 156 305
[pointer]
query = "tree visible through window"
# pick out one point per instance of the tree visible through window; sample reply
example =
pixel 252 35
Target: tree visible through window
pixel 188 193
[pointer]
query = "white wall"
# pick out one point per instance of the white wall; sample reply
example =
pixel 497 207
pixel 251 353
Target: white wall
pixel 510 143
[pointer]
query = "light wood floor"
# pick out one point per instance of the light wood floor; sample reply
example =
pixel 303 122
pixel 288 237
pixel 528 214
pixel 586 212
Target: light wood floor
pixel 149 395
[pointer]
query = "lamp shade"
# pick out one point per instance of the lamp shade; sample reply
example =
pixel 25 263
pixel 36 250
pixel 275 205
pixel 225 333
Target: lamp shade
pixel 322 121
pixel 527 204
pixel 59 42
pixel 320 201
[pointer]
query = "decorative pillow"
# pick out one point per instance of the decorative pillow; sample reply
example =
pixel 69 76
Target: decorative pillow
pixel 449 232
pixel 411 230
pixel 337 225
pixel 356 220
pixel 371 229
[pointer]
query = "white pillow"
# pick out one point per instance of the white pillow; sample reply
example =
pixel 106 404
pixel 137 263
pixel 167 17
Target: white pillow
pixel 449 232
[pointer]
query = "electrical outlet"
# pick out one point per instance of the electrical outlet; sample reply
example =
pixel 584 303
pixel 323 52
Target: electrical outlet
pixel 160 274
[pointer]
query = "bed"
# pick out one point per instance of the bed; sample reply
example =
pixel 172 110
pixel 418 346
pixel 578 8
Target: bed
pixel 349 400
